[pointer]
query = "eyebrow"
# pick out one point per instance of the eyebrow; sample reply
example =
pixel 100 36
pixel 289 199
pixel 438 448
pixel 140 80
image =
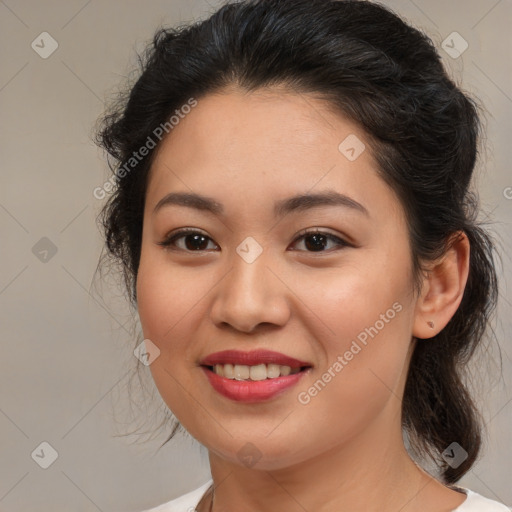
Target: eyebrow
pixel 282 207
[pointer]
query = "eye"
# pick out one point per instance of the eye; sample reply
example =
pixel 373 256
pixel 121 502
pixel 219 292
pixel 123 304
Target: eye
pixel 195 241
pixel 316 240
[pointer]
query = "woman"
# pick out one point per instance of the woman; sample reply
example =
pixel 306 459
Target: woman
pixel 294 221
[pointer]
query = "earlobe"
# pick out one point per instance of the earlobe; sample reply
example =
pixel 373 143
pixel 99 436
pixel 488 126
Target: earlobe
pixel 443 289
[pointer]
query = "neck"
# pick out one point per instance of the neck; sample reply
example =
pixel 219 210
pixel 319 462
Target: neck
pixel 373 472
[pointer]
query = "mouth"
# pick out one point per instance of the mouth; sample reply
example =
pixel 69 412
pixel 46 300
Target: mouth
pixel 253 384
pixel 256 365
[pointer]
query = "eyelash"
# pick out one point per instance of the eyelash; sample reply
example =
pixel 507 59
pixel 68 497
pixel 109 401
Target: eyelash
pixel 168 242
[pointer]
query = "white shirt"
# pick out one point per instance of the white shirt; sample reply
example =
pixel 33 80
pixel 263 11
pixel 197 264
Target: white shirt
pixel 188 502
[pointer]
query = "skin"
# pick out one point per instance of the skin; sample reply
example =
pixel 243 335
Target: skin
pixel 343 451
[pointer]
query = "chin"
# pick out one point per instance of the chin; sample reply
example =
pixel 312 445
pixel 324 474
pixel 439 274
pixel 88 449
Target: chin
pixel 261 453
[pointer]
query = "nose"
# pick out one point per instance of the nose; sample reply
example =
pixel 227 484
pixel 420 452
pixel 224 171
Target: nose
pixel 250 297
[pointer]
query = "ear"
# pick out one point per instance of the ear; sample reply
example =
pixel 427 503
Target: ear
pixel 442 289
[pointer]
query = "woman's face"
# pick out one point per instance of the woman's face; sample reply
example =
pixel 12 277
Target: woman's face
pixel 342 305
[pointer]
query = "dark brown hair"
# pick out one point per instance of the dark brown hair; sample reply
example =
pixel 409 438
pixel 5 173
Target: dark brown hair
pixel 422 130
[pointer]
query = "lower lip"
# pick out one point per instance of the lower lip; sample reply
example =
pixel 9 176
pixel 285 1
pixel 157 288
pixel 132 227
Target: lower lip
pixel 251 391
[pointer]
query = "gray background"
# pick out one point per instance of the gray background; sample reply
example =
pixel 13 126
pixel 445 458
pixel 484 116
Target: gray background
pixel 66 349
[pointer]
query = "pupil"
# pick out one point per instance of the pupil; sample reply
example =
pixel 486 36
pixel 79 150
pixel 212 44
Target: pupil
pixel 196 239
pixel 316 245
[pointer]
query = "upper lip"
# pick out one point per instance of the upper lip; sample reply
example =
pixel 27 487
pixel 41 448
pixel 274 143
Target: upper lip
pixel 252 358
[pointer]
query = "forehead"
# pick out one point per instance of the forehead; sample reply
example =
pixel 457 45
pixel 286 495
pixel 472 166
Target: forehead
pixel 239 130
pixel 268 143
pixel 266 116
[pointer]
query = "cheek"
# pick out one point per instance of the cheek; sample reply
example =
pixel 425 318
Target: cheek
pixel 167 298
pixel 368 314
pixel 170 310
pixel 359 301
pixel 362 377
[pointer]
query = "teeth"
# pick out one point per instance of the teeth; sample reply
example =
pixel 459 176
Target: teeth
pixel 273 371
pixel 241 372
pixel 258 372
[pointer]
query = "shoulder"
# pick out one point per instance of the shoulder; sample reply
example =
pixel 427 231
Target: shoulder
pixel 184 503
pixel 477 503
pixel 187 502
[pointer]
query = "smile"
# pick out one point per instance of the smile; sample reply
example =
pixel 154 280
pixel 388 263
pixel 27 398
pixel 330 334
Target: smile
pixel 253 391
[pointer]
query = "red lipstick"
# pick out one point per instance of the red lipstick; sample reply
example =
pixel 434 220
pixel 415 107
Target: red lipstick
pixel 252 358
pixel 250 391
